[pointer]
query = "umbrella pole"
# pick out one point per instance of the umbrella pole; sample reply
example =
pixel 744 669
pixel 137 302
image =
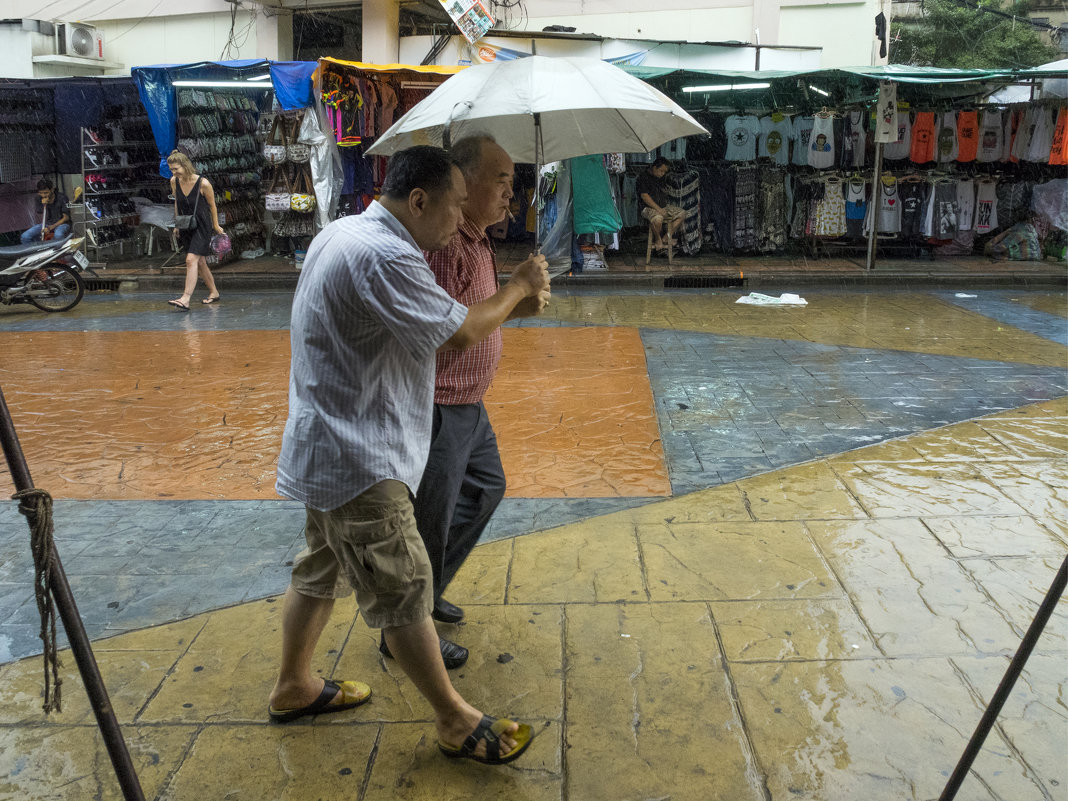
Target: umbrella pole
pixel 537 182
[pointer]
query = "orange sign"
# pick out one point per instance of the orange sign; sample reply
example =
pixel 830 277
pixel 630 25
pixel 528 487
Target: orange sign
pixel 487 54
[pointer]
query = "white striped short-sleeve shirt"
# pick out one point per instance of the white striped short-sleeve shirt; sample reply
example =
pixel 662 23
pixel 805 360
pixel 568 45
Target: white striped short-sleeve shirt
pixel 367 320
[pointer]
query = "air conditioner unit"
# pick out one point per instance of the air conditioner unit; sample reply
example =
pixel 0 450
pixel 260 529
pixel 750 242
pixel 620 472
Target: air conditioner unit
pixel 80 40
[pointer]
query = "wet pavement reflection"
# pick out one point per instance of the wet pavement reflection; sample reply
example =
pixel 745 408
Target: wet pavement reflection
pixel 747 553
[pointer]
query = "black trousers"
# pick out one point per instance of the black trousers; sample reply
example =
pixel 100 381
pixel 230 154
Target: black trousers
pixel 461 487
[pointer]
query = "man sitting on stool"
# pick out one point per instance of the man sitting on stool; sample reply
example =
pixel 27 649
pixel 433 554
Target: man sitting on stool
pixel 650 189
pixel 56 219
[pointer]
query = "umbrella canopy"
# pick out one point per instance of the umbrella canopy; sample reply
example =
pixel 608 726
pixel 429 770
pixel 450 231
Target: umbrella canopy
pixel 582 106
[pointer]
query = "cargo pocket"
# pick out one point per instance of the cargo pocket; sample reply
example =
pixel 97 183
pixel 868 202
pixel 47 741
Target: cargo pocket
pixel 377 554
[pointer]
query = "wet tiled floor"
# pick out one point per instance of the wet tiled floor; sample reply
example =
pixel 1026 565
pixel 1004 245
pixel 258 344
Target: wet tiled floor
pixel 766 553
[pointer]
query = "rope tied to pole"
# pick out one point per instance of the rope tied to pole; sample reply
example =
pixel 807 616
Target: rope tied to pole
pixel 36 505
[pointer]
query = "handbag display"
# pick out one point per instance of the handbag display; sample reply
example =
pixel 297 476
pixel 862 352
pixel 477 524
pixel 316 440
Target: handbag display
pixel 274 151
pixel 187 222
pixel 274 200
pixel 303 197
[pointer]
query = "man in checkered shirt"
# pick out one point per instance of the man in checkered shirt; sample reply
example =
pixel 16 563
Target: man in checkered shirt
pixel 464 481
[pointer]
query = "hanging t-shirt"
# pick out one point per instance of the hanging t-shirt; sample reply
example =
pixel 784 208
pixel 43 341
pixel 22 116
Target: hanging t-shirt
pixel 947 137
pixel 923 138
pixel 967 135
pixel 802 135
pixel 889 215
pixel 1041 136
pixel 965 203
pixel 986 207
pixel 856 207
pixel 990 135
pixel 742 133
pixel 913 196
pixel 900 148
pixel 853 140
pixel 775 136
pixel 1021 138
pixel 944 210
pixel 1058 153
pixel 885 111
pixel 821 143
pixel 1013 120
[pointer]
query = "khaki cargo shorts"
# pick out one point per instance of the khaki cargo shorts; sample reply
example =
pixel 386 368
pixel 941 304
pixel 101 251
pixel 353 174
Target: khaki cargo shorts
pixel 370 544
pixel 670 214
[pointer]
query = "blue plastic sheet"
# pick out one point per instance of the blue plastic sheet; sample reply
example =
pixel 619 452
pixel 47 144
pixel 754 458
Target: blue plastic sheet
pixel 291 81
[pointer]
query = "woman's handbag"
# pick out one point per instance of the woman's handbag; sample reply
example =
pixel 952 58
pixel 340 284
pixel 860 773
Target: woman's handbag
pixel 303 197
pixel 278 201
pixel 273 150
pixel 187 222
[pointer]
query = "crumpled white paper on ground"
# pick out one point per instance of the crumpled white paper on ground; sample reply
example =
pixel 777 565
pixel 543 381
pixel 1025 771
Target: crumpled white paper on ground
pixel 785 299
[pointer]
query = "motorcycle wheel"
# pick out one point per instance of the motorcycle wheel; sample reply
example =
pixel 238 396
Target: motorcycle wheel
pixel 54 288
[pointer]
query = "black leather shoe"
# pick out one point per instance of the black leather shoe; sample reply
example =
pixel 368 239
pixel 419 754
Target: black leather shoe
pixel 452 655
pixel 444 612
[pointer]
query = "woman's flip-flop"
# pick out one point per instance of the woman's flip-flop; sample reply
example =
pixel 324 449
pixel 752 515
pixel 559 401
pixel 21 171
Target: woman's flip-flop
pixel 178 305
pixel 208 301
pixel 489 730
pixel 352 694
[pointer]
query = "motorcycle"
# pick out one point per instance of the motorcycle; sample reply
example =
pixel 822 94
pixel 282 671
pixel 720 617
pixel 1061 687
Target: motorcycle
pixel 46 274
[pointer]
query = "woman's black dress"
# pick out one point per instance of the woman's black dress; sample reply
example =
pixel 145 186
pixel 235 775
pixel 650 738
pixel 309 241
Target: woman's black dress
pixel 194 240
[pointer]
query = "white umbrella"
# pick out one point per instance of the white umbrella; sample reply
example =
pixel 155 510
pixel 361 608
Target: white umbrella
pixel 542 109
pixel 582 106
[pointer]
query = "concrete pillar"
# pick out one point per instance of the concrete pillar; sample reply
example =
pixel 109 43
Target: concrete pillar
pixel 381 31
pixel 274 36
pixel 766 21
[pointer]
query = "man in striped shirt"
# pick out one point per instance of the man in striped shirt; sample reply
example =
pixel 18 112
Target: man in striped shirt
pixel 464 481
pixel 367 321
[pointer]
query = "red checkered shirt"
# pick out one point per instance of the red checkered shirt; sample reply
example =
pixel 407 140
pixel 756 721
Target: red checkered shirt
pixel 467 269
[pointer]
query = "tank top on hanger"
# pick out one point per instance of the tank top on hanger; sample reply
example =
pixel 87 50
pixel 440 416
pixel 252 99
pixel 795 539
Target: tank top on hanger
pixel 990 136
pixel 1038 149
pixel 856 206
pixel 923 138
pixel 889 217
pixel 821 143
pixel 802 135
pixel 967 135
pixel 965 203
pixel 947 138
pixel 1058 153
pixel 986 207
pixel 900 148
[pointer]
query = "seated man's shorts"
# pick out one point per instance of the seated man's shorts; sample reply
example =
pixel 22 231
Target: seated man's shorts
pixel 671 213
pixel 369 544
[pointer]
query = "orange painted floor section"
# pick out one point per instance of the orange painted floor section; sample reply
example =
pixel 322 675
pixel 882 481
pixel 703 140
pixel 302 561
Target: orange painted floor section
pixel 199 415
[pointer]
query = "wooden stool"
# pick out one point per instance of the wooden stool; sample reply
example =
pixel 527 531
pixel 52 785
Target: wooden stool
pixel 649 246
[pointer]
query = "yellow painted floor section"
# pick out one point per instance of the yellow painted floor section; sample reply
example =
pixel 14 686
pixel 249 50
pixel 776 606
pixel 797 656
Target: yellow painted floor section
pixel 827 632
pixel 572 408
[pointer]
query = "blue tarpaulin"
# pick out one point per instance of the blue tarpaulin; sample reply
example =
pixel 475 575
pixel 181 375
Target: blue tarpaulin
pixel 291 81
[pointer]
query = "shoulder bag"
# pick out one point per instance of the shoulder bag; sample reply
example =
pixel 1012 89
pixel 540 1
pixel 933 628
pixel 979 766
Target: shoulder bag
pixel 186 222
pixel 303 197
pixel 273 150
pixel 274 200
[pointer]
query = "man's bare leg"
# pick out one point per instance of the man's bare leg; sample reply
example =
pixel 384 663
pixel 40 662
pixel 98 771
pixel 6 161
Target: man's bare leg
pixel 657 224
pixel 303 621
pixel 418 652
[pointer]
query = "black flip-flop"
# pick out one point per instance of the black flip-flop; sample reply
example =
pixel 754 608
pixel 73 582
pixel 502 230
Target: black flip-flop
pixel 178 305
pixel 209 301
pixel 322 705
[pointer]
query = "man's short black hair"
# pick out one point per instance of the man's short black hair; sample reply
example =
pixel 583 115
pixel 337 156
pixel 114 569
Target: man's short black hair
pixel 660 162
pixel 421 167
pixel 44 183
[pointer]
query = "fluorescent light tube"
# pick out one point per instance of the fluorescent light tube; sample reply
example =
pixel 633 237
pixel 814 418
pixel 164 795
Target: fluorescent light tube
pixel 255 84
pixel 724 87
pixel 817 89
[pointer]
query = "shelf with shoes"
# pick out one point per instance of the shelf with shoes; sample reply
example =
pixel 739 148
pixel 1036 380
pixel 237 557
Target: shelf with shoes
pixel 113 173
pixel 217 130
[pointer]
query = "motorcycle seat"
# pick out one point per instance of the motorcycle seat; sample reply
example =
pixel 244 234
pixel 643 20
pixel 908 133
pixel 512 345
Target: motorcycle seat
pixel 18 251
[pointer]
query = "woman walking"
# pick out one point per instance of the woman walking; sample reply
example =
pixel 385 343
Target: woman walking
pixel 194 197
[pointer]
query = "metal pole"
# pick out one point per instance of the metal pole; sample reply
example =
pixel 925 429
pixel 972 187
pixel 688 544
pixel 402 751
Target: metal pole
pixel 72 623
pixel 1002 693
pixel 875 189
pixel 537 182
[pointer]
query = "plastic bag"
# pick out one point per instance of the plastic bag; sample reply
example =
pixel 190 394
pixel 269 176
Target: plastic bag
pixel 1019 243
